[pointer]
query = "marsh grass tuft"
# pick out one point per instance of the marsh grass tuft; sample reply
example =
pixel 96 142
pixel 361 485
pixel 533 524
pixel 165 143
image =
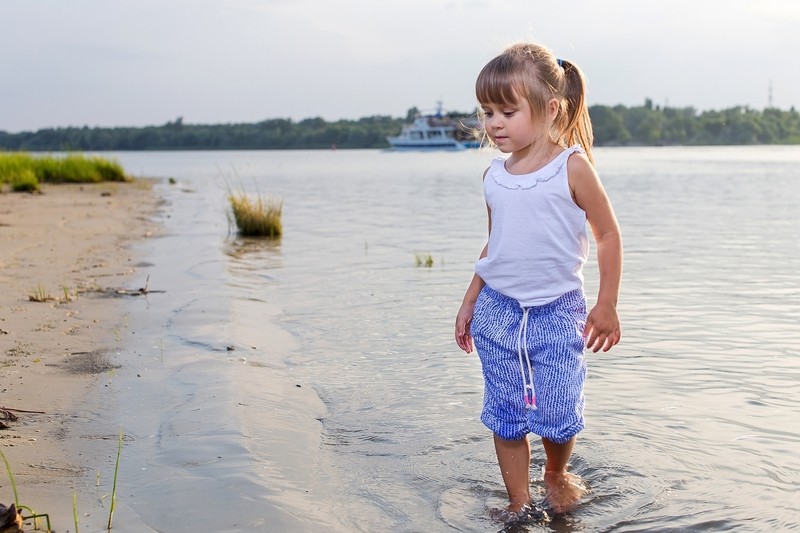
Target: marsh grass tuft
pixel 39 294
pixel 423 260
pixel 24 181
pixel 260 217
pixel 24 172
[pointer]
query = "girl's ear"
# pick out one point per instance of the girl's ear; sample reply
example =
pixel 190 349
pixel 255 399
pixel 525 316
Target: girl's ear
pixel 552 109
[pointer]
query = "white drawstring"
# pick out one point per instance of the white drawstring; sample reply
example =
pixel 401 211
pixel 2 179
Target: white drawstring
pixel 522 345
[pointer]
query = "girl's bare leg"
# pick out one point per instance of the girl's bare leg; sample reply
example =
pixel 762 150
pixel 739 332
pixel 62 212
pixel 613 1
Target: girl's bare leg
pixel 514 457
pixel 563 490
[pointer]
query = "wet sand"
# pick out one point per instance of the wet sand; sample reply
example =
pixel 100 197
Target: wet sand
pixel 71 247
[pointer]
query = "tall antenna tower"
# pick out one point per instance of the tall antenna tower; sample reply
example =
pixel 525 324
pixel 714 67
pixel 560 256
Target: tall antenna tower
pixel 770 94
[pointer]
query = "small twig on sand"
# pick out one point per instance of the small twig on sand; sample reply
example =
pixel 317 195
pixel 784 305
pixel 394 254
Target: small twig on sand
pixel 138 292
pixel 6 415
pixel 21 410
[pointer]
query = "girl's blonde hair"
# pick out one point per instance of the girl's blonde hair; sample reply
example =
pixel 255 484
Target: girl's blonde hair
pixel 531 71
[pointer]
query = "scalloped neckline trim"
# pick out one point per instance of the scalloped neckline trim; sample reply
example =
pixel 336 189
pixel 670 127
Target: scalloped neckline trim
pixel 524 182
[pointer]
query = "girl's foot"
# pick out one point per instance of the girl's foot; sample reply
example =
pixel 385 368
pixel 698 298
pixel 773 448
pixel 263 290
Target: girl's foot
pixel 514 514
pixel 509 515
pixel 563 491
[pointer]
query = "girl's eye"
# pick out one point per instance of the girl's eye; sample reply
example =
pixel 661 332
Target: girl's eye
pixel 509 113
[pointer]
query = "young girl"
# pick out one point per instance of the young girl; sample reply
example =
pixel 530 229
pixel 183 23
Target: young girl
pixel 525 309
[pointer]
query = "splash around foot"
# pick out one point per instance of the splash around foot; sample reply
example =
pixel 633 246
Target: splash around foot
pixel 563 491
pixel 527 514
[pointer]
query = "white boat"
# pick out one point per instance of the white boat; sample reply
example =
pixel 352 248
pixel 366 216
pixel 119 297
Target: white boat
pixel 436 132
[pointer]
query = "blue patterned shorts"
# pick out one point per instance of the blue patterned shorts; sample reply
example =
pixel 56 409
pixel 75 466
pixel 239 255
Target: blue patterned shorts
pixel 539 361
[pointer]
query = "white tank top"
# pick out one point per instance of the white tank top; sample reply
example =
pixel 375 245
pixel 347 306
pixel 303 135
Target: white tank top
pixel 538 243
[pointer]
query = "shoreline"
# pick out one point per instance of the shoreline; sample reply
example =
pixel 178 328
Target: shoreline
pixel 70 248
pixel 202 427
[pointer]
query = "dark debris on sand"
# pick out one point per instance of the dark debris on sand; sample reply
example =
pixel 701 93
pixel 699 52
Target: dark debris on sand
pixel 10 519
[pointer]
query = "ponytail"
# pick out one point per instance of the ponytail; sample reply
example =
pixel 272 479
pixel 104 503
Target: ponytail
pixel 577 127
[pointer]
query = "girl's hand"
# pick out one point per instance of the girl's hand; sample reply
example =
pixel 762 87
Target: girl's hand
pixel 463 320
pixel 602 329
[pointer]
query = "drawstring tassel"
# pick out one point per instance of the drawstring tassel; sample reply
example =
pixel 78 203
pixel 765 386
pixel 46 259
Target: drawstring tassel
pixel 522 345
pixel 530 399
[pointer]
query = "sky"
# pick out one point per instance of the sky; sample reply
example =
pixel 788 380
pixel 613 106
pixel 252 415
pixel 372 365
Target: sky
pixel 113 63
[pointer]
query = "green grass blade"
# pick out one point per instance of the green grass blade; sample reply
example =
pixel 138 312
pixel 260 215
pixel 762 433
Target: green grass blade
pixel 11 478
pixel 114 486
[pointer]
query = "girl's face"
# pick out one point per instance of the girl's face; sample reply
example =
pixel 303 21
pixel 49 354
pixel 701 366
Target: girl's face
pixel 511 126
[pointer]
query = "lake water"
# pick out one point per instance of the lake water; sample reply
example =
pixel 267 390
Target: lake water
pixel 313 383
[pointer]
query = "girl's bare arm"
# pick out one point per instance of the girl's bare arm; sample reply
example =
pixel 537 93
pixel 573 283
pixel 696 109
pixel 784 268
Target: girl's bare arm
pixel 602 325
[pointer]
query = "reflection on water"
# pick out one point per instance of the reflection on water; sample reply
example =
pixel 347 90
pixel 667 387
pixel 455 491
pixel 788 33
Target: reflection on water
pixel 254 261
pixel 263 252
pixel 693 422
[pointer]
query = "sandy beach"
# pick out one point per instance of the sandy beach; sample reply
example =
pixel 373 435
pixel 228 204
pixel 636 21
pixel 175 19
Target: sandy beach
pixel 71 248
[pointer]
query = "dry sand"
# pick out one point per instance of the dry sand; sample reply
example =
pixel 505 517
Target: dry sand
pixel 73 245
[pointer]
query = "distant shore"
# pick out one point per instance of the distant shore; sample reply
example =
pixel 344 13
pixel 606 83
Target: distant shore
pixel 64 256
pixel 645 125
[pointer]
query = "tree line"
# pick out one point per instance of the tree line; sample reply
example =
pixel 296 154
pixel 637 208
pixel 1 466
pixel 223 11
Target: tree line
pixel 650 125
pixel 645 125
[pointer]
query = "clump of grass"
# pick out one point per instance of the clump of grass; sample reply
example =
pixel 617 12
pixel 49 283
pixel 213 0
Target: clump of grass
pixel 39 294
pixel 77 169
pixel 108 170
pixel 24 181
pixel 24 172
pixel 260 217
pixel 424 260
pixel 17 168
